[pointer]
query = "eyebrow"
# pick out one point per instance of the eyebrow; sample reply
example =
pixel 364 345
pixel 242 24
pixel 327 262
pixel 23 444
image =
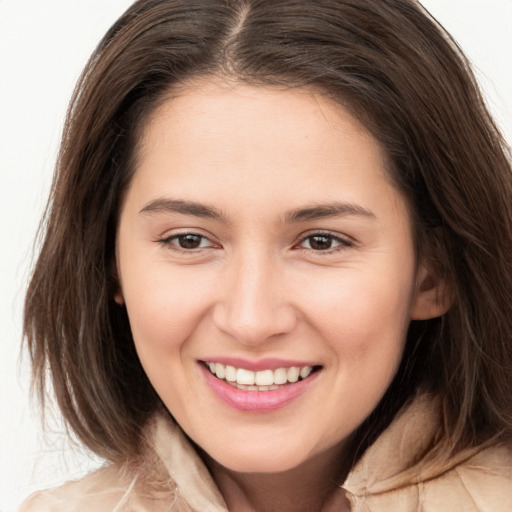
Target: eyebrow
pixel 322 211
pixel 183 207
pixel 314 212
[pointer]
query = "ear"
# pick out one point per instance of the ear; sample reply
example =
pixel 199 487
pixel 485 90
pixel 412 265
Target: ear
pixel 118 297
pixel 432 295
pixel 118 291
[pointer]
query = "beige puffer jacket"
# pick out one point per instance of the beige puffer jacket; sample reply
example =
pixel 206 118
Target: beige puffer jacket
pixel 386 479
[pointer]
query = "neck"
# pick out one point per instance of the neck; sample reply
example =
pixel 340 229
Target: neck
pixel 312 487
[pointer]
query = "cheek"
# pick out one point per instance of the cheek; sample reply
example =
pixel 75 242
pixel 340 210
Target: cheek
pixel 364 319
pixel 163 309
pixel 364 324
pixel 362 301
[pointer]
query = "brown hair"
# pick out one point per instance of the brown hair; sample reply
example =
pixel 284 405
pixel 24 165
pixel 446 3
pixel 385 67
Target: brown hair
pixel 394 68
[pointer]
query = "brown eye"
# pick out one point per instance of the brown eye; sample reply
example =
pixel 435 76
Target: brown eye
pixel 320 242
pixel 324 242
pixel 189 241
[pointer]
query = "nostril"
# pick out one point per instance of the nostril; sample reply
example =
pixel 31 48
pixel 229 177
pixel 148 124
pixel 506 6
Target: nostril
pixel 252 326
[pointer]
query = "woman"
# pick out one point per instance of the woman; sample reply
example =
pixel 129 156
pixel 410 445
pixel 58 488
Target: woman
pixel 276 269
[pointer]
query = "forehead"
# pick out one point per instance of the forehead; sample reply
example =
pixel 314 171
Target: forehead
pixel 219 141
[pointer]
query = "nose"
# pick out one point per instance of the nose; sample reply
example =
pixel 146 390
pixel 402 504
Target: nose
pixel 255 304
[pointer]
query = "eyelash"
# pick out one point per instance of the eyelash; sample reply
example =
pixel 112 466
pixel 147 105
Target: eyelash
pixel 168 242
pixel 342 243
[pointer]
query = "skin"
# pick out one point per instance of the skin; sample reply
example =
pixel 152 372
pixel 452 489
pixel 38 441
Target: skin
pixel 258 287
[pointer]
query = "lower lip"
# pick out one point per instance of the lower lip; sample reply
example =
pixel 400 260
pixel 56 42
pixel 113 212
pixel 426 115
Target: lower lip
pixel 256 401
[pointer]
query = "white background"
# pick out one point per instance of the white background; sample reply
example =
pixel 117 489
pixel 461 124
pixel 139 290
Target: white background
pixel 43 47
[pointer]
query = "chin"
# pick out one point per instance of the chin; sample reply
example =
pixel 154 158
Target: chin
pixel 258 461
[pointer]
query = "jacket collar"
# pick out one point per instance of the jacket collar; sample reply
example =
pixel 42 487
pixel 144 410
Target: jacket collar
pixel 405 453
pixel 397 459
pixel 186 469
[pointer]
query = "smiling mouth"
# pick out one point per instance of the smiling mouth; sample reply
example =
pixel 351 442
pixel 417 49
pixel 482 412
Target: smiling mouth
pixel 263 380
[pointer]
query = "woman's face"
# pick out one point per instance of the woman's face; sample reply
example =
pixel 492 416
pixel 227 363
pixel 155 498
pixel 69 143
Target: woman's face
pixel 261 239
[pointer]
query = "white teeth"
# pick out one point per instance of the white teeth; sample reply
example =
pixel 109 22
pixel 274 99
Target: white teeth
pixel 280 376
pixel 220 370
pixel 244 376
pixel 304 372
pixel 263 380
pixel 293 374
pixel 230 373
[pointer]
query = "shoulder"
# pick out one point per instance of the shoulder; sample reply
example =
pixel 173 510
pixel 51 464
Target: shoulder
pixel 98 491
pixel 484 480
pixel 481 483
pixel 400 473
pixel 168 476
pixel 105 490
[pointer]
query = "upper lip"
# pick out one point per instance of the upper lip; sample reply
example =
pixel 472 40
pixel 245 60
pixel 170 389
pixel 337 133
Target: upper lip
pixel 261 364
